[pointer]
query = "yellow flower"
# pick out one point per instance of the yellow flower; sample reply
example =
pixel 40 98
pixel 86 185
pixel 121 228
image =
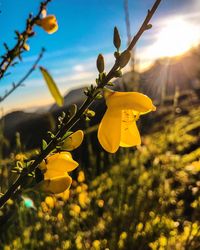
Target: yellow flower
pixel 83 199
pixel 74 210
pixel 118 126
pixel 50 202
pixel 64 195
pixel 48 23
pixel 20 157
pixel 73 141
pixel 81 176
pixel 55 168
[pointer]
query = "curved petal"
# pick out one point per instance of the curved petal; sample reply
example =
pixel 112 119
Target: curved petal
pixel 48 23
pixel 61 162
pixel 73 141
pixel 109 131
pixel 130 100
pixel 56 185
pixel 130 135
pixel 53 173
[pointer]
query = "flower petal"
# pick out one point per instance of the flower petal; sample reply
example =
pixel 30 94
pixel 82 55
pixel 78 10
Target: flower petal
pixel 130 135
pixel 48 23
pixel 53 173
pixel 73 141
pixel 109 131
pixel 130 100
pixel 61 162
pixel 56 185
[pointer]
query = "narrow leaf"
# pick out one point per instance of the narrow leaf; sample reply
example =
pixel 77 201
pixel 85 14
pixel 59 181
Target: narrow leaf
pixel 44 144
pixel 52 87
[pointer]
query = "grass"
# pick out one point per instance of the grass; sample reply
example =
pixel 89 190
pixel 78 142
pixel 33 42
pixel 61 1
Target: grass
pixel 147 199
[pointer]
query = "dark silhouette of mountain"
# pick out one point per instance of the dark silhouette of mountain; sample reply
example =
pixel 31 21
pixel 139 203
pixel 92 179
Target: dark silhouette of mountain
pixel 169 74
pixel 73 96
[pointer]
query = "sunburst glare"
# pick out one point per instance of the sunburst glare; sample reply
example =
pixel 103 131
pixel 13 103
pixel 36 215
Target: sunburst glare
pixel 176 37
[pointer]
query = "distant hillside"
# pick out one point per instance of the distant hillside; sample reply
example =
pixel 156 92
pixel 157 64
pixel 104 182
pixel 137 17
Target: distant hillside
pixel 73 96
pixel 168 74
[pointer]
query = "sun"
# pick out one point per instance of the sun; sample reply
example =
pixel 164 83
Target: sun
pixel 176 37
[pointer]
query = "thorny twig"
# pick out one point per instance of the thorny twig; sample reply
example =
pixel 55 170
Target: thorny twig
pixel 20 83
pixel 66 127
pixel 20 46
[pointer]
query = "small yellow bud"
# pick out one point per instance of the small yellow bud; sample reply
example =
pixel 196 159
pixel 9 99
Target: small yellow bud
pixel 49 201
pixel 60 216
pixel 44 13
pixel 81 176
pixel 100 203
pixel 26 47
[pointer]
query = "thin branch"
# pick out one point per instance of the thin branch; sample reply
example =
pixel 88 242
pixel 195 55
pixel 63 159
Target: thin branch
pixel 66 127
pixel 19 47
pixel 129 37
pixel 144 25
pixel 127 19
pixel 20 83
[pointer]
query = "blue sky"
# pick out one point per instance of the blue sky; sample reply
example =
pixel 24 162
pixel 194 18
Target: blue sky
pixel 85 30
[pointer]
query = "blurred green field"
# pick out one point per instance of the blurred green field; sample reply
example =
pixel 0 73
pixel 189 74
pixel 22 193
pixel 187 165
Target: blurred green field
pixel 148 198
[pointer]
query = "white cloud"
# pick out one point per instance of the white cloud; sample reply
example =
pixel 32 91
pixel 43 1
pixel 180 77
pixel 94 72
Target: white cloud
pixel 78 68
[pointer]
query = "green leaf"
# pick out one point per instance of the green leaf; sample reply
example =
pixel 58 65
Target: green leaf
pixel 19 165
pixel 44 144
pixel 52 87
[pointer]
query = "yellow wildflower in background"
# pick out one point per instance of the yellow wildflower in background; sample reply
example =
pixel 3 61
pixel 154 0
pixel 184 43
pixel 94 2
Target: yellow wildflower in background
pixel 64 196
pixel 96 245
pixel 48 23
pixel 74 210
pixel 50 202
pixel 83 199
pixel 55 169
pixel 60 216
pixel 194 166
pixel 20 157
pixel 81 176
pixel 118 126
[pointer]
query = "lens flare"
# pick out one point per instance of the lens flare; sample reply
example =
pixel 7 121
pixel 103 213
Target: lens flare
pixel 176 37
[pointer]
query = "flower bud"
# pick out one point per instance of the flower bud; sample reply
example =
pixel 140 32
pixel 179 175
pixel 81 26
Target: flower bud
pixel 149 26
pixel 26 47
pixel 48 23
pixel 124 58
pixel 100 63
pixel 116 38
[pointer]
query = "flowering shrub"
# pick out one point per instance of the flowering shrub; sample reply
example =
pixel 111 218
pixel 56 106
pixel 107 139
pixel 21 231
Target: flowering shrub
pixel 146 199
